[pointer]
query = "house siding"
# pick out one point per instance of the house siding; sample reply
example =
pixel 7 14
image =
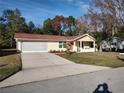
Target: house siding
pixel 18 45
pixel 54 46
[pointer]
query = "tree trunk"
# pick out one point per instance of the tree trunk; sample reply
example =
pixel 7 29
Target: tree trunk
pixel 11 41
pixel 100 47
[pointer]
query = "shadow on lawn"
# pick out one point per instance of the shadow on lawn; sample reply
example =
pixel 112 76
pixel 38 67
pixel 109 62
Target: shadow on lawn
pixel 5 52
pixel 102 88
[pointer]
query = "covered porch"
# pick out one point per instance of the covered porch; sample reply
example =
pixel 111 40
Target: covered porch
pixel 83 46
pixel 84 43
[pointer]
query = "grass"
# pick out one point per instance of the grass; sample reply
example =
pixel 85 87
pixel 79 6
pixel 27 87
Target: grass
pixel 108 59
pixel 9 64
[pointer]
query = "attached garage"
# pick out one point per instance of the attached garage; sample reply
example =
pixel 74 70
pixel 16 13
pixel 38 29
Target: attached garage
pixel 34 46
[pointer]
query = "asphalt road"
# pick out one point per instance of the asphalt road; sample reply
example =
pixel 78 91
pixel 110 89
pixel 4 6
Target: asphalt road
pixel 106 81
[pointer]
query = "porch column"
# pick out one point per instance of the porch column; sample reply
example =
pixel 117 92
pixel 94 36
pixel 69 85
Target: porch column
pixel 80 46
pixel 94 46
pixel 74 47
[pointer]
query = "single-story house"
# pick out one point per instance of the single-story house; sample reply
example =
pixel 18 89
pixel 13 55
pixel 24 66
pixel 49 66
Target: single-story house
pixel 45 43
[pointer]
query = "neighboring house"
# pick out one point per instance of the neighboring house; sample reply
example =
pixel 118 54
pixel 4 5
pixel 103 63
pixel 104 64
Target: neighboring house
pixel 113 44
pixel 47 43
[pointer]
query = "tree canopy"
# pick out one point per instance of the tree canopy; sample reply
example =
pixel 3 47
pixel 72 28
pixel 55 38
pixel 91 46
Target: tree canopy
pixel 107 16
pixel 61 25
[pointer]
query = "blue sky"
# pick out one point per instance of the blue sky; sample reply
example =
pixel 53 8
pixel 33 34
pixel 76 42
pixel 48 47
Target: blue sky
pixel 39 10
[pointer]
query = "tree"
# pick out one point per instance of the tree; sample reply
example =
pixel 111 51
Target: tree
pixel 11 22
pixel 14 23
pixel 25 28
pixel 71 26
pixel 4 36
pixel 61 25
pixel 58 24
pixel 38 31
pixel 83 24
pixel 31 27
pixel 48 28
pixel 109 13
pixel 121 31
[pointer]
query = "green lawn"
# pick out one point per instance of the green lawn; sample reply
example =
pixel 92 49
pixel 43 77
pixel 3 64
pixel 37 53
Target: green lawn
pixel 9 65
pixel 108 59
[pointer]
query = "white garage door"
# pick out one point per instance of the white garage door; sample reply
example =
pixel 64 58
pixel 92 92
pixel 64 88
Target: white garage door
pixel 34 47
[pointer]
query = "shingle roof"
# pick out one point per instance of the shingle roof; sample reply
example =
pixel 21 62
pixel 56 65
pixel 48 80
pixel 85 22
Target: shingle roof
pixel 71 37
pixel 38 36
pixel 48 37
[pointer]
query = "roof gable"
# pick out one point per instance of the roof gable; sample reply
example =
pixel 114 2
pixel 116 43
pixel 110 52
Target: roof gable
pixel 87 37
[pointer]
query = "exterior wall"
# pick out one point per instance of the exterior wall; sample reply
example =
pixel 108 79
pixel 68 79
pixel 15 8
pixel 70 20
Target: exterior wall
pixel 18 45
pixel 74 46
pixel 86 38
pixel 54 46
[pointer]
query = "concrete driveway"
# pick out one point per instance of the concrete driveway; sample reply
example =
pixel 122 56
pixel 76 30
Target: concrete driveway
pixel 43 66
pixel 41 60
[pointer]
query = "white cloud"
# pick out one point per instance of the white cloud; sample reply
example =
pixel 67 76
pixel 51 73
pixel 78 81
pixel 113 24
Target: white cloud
pixel 79 3
pixel 84 6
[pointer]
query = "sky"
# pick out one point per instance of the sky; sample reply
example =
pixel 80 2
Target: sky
pixel 39 10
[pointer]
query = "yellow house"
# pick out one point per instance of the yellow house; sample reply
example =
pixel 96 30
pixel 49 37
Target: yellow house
pixel 46 43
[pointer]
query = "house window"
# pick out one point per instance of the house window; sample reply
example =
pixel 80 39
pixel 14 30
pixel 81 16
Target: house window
pixel 62 44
